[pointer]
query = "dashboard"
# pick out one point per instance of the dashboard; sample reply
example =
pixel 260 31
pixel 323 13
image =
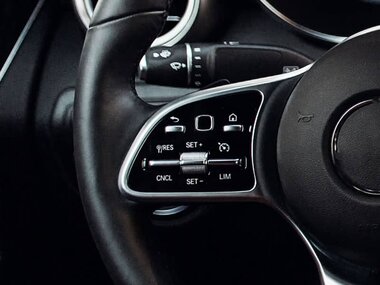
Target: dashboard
pixel 204 43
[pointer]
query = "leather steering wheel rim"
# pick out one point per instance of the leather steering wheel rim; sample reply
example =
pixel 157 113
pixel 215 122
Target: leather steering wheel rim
pixel 120 33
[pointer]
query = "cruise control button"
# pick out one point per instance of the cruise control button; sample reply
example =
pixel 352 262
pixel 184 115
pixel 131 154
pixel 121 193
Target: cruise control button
pixel 164 148
pixel 228 162
pixel 164 178
pixel 224 147
pixel 194 162
pixel 204 123
pixel 157 164
pixel 233 128
pixel 193 145
pixel 225 176
pixel 175 129
pixel 194 181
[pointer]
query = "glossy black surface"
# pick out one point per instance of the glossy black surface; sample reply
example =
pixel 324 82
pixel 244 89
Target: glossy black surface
pixel 357 153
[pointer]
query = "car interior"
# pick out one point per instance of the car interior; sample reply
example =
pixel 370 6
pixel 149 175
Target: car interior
pixel 179 142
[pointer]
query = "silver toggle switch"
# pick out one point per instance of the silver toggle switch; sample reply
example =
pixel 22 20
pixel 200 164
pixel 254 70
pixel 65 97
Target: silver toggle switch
pixel 193 163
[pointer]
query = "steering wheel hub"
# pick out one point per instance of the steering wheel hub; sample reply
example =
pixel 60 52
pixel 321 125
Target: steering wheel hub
pixel 333 150
pixel 356 147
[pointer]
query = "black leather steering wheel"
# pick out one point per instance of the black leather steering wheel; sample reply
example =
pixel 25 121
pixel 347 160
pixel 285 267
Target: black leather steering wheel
pixel 314 146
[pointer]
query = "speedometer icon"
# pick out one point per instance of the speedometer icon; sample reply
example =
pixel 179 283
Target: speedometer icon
pixel 224 147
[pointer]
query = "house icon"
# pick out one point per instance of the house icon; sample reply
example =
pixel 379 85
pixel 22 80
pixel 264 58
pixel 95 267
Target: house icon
pixel 233 118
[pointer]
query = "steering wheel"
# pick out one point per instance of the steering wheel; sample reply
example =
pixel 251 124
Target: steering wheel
pixel 306 143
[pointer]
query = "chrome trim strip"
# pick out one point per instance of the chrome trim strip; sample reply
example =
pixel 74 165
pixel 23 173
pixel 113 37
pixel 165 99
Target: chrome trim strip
pixel 143 68
pixel 327 278
pixel 170 211
pixel 182 28
pixel 85 10
pixel 21 39
pixel 315 34
pixel 361 33
pixel 173 18
pixel 334 138
pixel 189 59
pixel 191 98
pixel 334 142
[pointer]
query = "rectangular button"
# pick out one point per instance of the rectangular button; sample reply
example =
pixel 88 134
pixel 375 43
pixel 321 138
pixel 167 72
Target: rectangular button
pixel 227 162
pixel 204 123
pixel 233 128
pixel 175 129
pixel 160 163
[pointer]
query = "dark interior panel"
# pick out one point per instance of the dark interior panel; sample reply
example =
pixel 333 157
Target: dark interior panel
pixel 13 17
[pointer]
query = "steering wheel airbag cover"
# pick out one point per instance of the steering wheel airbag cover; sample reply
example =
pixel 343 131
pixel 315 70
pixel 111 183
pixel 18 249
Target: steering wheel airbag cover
pixel 344 220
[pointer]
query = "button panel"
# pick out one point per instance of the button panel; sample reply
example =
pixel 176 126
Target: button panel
pixel 205 146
